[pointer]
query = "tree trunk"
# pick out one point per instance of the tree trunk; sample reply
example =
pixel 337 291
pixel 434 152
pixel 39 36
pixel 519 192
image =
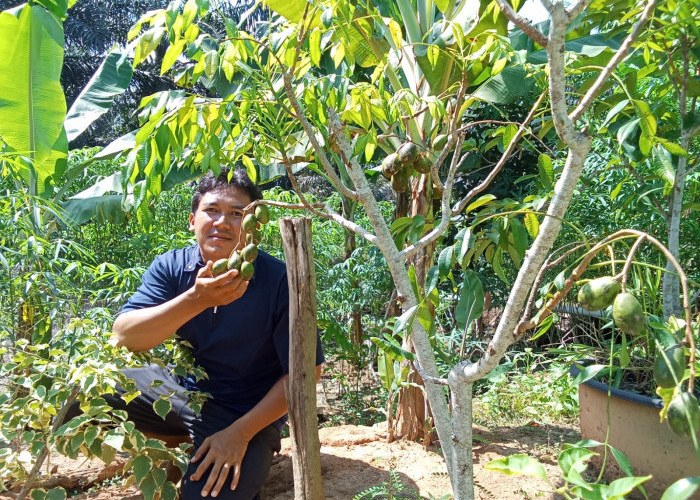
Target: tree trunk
pixel 301 387
pixel 671 284
pixel 412 407
pixel 356 329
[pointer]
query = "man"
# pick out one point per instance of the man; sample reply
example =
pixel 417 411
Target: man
pixel 239 331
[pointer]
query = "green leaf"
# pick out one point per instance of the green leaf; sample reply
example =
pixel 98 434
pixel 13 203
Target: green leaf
pixel 442 5
pixel 518 464
pixel 162 407
pixel 141 467
pixel 623 486
pixel 168 491
pixel 482 200
pixel 445 261
pixel 647 121
pixel 470 305
pixel 682 489
pixel 115 439
pixel 147 44
pixel 572 462
pixel 38 494
pixel 111 79
pixel 532 224
pixel 148 487
pixel 672 147
pixel 56 494
pixel 588 373
pixel 171 55
pixel 32 100
pixel 404 320
pixel 546 170
pixel 505 87
pixel 90 434
pixel 315 47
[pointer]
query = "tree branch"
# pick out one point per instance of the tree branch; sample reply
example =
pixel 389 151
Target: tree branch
pixel 612 64
pixel 575 10
pixel 528 28
pixel 504 157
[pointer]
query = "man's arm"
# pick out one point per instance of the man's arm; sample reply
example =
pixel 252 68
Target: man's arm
pixel 143 329
pixel 224 450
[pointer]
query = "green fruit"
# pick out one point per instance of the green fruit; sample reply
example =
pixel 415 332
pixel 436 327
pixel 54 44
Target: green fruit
pixel 598 293
pixel 423 165
pixel 247 271
pixel 628 314
pixel 249 253
pixel 255 237
pixel 408 152
pixel 219 267
pixel 399 182
pixel 234 262
pixel 390 165
pixel 683 414
pixel 262 213
pixel 669 367
pixel 250 222
pixel 439 142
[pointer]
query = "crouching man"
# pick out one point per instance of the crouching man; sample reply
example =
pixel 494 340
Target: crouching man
pixel 239 331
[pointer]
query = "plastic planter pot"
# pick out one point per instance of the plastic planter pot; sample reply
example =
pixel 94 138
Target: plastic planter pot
pixel 635 430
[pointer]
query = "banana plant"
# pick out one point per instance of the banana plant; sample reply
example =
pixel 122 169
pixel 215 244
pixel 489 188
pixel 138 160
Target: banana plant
pixel 35 123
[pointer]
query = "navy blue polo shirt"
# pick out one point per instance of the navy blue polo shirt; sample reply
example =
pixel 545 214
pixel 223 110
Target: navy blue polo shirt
pixel 243 346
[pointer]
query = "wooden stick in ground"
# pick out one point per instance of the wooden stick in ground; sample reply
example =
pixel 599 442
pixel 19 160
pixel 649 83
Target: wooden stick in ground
pixel 301 386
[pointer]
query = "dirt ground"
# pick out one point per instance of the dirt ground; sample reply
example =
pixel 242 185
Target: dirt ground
pixel 356 458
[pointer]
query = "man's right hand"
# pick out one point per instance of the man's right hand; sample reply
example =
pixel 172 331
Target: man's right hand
pixel 212 291
pixel 143 329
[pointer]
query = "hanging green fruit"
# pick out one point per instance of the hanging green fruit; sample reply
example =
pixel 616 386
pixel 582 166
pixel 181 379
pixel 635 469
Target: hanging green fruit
pixel 683 414
pixel 669 367
pixel 628 314
pixel 598 293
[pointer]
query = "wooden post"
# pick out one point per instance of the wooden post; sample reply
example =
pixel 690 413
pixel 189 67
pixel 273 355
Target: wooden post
pixel 301 387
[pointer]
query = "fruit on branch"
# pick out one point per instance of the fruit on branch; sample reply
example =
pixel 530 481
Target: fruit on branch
pixel 683 414
pixel 255 237
pixel 669 367
pixel 247 271
pixel 250 252
pixel 598 293
pixel 249 222
pixel 628 314
pixel 439 142
pixel 220 267
pixel 262 214
pixel 391 165
pixel 422 165
pixel 408 152
pixel 399 181
pixel 234 261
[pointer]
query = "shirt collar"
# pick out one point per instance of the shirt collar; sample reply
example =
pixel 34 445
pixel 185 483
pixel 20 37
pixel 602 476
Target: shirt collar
pixel 194 258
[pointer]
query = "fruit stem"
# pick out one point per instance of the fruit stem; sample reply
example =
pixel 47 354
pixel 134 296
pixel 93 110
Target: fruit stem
pixel 628 262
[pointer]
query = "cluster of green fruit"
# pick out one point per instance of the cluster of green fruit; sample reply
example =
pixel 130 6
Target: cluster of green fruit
pixel 400 165
pixel 243 261
pixel 599 293
pixel 683 412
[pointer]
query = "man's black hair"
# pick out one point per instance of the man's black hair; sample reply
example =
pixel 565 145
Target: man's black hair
pixel 239 180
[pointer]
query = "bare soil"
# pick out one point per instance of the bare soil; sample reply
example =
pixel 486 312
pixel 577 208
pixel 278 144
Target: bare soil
pixel 356 458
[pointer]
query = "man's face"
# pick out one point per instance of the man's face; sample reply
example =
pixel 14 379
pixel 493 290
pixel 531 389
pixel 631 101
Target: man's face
pixel 217 222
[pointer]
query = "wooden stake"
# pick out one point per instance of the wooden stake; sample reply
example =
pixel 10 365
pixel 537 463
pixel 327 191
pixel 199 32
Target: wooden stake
pixel 301 386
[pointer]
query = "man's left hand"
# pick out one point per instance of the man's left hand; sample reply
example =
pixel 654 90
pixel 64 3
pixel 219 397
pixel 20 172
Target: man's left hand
pixel 223 452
